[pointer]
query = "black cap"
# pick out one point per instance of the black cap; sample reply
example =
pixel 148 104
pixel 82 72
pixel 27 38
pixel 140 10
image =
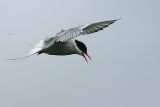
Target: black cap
pixel 81 46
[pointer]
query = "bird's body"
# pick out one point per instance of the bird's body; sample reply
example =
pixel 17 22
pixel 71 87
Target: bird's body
pixel 64 42
pixel 62 48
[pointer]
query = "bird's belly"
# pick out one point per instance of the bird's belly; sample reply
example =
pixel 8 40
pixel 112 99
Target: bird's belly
pixel 60 49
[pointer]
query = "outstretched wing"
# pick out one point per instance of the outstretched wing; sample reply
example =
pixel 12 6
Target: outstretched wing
pixel 65 35
pixel 83 30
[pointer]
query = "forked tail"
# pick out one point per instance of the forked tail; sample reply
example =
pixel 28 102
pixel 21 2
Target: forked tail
pixel 20 58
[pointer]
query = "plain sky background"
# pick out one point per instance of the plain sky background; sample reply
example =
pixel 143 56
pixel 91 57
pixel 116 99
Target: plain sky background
pixel 124 72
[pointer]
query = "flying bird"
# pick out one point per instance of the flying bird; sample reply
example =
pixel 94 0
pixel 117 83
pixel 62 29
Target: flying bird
pixel 64 42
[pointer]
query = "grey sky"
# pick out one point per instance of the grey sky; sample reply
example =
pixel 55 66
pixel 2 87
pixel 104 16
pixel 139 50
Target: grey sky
pixel 125 69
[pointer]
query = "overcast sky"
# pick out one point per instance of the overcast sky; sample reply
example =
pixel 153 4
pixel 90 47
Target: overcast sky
pixel 124 72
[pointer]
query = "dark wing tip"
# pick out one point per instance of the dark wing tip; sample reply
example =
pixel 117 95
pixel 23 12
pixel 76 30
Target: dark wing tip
pixel 117 19
pixel 112 21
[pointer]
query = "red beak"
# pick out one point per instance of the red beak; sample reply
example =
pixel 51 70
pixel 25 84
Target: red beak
pixel 83 54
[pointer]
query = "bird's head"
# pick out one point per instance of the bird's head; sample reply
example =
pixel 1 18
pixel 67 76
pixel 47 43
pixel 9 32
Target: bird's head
pixel 82 47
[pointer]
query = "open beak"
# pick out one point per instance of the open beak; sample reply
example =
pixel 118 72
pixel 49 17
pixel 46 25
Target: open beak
pixel 84 56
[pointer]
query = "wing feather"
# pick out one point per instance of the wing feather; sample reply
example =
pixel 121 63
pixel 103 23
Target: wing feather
pixel 43 44
pixel 83 30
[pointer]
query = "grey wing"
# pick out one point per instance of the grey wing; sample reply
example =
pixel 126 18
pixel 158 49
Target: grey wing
pixel 83 30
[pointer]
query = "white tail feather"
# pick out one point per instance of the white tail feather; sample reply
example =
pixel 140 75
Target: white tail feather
pixel 20 58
